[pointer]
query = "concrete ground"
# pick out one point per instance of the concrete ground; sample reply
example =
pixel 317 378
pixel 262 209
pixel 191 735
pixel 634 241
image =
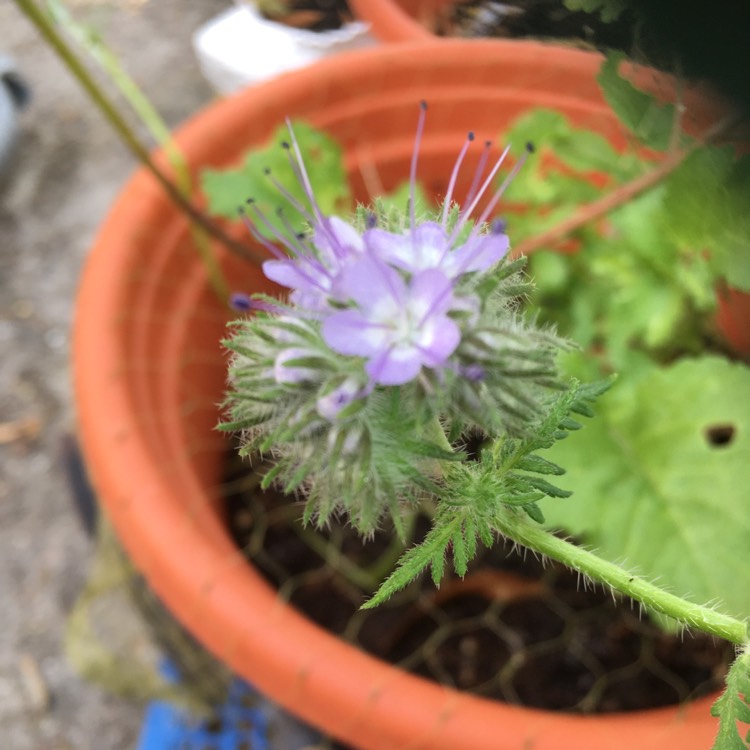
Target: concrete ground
pixel 68 168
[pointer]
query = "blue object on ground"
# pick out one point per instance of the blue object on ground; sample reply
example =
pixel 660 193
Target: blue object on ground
pixel 237 725
pixel 14 94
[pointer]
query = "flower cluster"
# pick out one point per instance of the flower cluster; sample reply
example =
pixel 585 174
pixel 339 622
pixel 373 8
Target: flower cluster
pixel 393 324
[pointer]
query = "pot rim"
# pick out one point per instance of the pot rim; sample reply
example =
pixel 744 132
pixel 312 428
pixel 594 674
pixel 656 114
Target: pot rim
pixel 199 567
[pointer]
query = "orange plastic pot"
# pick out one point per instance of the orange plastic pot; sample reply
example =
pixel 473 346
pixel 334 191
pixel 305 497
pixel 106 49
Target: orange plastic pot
pixel 149 373
pixel 400 20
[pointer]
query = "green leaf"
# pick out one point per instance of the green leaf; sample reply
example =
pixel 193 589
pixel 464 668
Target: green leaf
pixel 654 486
pixel 460 553
pixel 430 552
pixel 734 706
pixel 648 120
pixel 546 487
pixel 539 465
pixel 706 206
pixel 227 189
pixel 608 10
pixel 534 512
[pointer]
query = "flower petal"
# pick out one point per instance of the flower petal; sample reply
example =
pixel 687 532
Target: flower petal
pixel 390 247
pixel 479 254
pixel 373 285
pixel 350 332
pixel 430 293
pixel 423 248
pixel 395 366
pixel 295 274
pixel 439 338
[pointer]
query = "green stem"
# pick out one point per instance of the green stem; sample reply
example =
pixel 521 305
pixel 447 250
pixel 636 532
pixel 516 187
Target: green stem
pixel 579 559
pixel 46 27
pixel 90 41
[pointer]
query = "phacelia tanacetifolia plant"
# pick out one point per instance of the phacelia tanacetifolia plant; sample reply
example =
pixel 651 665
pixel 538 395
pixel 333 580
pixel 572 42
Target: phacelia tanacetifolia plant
pixel 401 344
pixel 401 338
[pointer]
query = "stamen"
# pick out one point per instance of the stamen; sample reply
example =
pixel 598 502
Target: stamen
pixel 240 302
pixel 483 158
pixel 498 226
pixel 298 166
pixel 293 202
pixel 504 186
pixel 300 172
pixel 257 236
pixel 413 169
pixel 296 240
pixel 454 177
pixel 467 213
pixel 371 220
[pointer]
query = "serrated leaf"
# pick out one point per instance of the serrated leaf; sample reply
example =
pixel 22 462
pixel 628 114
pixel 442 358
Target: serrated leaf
pixel 534 512
pixel 460 553
pixel 651 489
pixel 706 205
pixel 546 487
pixel 648 120
pixel 539 465
pixel 413 562
pixel 227 189
pixel 734 706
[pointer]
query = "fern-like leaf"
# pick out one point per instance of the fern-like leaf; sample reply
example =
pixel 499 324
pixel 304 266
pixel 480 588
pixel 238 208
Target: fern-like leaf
pixel 733 706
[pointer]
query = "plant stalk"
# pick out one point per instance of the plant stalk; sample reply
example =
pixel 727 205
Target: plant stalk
pixel 536 538
pixel 624 193
pixel 109 110
pixel 598 208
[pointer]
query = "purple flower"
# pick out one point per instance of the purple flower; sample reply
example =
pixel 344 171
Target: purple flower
pixel 313 271
pixel 398 299
pixel 428 245
pixel 398 327
pixel 330 405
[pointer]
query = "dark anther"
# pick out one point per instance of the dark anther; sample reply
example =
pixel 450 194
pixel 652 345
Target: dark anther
pixel 498 226
pixel 240 302
pixel 423 104
pixel 487 144
pixel 471 135
pixel 285 145
pixel 301 236
pixel 250 201
pixel 266 170
pixel 371 220
pixel 720 435
pixel 530 147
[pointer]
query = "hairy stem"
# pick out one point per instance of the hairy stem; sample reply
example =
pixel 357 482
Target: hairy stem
pixel 517 529
pixel 598 208
pixel 46 27
pixel 621 194
pixel 91 42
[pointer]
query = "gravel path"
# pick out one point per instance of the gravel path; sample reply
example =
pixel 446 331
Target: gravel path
pixel 69 166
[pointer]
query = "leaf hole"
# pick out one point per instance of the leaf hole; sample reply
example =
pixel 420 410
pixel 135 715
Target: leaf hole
pixel 720 435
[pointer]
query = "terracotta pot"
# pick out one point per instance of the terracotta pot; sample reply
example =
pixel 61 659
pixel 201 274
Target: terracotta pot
pixel 149 373
pixel 400 20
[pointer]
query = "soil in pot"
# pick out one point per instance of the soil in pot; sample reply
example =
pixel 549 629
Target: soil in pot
pixel 312 15
pixel 515 629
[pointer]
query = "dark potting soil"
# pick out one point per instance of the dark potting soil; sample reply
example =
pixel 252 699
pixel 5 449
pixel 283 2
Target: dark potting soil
pixel 515 628
pixel 312 15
